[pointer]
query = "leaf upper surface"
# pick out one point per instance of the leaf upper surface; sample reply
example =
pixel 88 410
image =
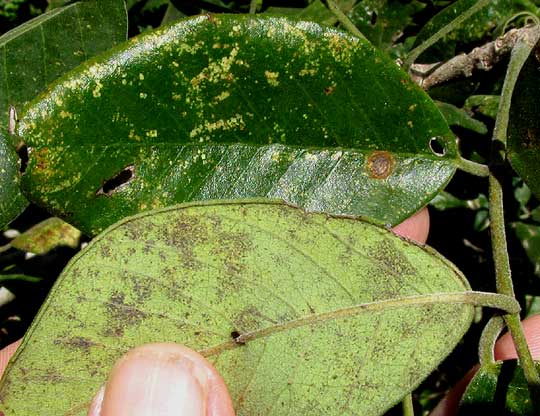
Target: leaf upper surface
pixel 301 313
pixel 499 388
pixel 39 51
pixel 524 123
pixel 224 107
pixel 12 202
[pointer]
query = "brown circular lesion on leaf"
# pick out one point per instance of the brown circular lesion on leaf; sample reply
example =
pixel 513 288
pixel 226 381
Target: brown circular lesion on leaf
pixel 380 164
pixel 329 90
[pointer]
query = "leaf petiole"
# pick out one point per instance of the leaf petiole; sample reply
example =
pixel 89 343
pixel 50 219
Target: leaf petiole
pixel 476 169
pixel 488 338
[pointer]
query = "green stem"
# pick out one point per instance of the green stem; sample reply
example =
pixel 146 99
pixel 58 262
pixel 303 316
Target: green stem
pixel 504 278
pixel 416 52
pixel 473 168
pixel 503 275
pixel 489 336
pixel 344 20
pixel 407 404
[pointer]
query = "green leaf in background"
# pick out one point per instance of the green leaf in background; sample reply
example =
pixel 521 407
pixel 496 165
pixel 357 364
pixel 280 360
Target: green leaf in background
pixel 524 124
pixel 19 284
pixel 487 105
pixel 458 117
pixel 317 11
pixel 12 202
pixel 227 107
pixel 46 235
pixel 479 27
pixel 304 312
pixel 529 235
pixel 39 51
pixel 383 21
pixel 498 389
pixel 172 14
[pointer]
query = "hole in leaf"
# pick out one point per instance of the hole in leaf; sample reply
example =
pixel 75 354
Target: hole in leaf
pixel 437 146
pixel 373 20
pixel 236 336
pixel 117 182
pixel 22 151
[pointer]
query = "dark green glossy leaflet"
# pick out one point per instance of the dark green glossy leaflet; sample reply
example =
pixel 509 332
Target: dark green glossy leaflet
pixel 221 107
pixel 479 27
pixel 458 117
pixel 498 389
pixel 39 51
pixel 317 11
pixel 524 123
pixel 383 21
pixel 12 202
pixel 302 313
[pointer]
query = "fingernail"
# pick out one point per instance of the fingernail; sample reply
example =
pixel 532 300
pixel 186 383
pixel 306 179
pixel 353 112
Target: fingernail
pixel 153 382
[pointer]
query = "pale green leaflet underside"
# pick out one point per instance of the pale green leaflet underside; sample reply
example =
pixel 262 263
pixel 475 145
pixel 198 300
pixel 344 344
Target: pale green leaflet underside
pixel 301 313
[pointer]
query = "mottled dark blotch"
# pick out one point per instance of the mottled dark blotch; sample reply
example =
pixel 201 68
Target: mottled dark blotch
pixel 380 164
pixel 388 257
pixel 121 315
pixel 80 343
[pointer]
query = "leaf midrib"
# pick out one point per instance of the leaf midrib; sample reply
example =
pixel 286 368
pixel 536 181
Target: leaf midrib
pixel 426 155
pixel 466 297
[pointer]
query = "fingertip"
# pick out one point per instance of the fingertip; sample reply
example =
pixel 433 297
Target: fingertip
pixel 5 355
pixel 164 379
pixel 505 349
pixel 416 227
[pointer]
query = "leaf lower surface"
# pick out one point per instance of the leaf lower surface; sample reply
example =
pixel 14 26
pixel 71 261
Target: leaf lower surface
pixel 301 313
pixel 225 107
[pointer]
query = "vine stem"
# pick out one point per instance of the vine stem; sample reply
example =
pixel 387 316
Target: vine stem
pixel 416 52
pixel 503 273
pixel 504 279
pixel 344 20
pixel 407 405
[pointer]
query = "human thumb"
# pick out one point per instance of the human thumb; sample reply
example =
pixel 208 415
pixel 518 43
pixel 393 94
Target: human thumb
pixel 165 380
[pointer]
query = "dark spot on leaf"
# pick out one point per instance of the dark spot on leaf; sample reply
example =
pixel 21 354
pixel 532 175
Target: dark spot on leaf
pixel 211 18
pixel 437 146
pixel 237 337
pixel 329 90
pixel 122 315
pixel 380 164
pixel 373 19
pixel 530 140
pixel 79 343
pixel 118 181
pixel 22 151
